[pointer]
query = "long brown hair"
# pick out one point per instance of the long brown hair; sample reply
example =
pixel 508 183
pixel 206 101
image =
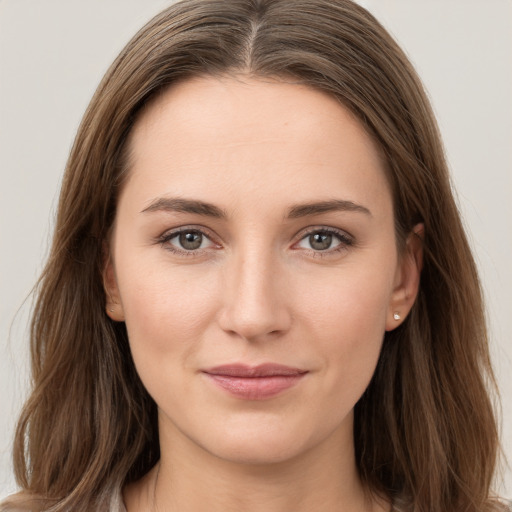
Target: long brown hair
pixel 425 433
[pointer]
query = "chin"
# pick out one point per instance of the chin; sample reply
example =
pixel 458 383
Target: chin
pixel 257 453
pixel 263 443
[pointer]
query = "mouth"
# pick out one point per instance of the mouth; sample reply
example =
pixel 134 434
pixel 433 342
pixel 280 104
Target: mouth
pixel 254 382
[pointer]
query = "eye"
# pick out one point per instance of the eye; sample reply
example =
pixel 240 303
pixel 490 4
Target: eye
pixel 186 240
pixel 324 240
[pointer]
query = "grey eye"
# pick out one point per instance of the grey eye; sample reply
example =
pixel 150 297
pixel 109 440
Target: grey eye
pixel 320 241
pixel 324 240
pixel 189 240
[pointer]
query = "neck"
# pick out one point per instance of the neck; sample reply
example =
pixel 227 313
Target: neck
pixel 187 477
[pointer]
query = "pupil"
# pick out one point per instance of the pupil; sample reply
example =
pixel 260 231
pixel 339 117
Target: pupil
pixel 320 241
pixel 190 240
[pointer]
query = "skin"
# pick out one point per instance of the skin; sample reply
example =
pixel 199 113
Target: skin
pixel 257 290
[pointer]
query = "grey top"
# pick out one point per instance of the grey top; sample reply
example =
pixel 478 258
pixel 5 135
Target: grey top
pixel 117 505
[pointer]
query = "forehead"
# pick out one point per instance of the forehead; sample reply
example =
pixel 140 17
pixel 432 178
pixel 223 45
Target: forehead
pixel 228 103
pixel 213 133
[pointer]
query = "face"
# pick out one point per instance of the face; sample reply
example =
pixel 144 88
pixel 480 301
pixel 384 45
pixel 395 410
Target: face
pixel 254 261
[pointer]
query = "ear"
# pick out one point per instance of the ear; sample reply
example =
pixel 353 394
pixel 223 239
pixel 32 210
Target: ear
pixel 407 279
pixel 114 308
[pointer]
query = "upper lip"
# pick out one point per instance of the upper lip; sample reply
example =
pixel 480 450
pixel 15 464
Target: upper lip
pixel 261 370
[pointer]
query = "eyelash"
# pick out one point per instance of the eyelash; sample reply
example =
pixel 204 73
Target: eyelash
pixel 344 239
pixel 168 236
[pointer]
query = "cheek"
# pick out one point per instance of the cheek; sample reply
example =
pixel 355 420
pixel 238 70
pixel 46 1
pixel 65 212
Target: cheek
pixel 166 321
pixel 165 309
pixel 347 317
pixel 351 299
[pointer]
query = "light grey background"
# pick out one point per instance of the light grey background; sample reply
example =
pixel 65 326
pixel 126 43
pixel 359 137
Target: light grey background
pixel 54 52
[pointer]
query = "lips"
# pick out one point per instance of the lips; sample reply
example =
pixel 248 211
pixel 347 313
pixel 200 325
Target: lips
pixel 255 382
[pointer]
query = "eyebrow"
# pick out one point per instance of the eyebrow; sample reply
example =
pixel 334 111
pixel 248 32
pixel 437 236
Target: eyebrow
pixel 304 210
pixel 173 204
pixel 180 205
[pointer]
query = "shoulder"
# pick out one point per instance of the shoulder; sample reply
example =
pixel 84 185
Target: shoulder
pixel 22 502
pixel 19 503
pixel 502 505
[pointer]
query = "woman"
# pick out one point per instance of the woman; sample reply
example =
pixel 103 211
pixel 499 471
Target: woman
pixel 232 316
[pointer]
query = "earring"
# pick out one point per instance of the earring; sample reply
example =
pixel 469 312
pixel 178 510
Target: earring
pixel 396 315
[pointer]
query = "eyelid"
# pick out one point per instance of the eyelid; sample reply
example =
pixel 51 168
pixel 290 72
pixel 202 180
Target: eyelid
pixel 346 239
pixel 169 234
pixel 342 233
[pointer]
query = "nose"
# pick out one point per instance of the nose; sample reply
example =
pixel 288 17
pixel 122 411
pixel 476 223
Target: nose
pixel 256 299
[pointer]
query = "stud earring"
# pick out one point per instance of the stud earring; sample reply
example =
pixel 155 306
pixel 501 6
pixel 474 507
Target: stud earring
pixel 396 316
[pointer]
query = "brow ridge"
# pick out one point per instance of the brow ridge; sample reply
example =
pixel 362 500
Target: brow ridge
pixel 317 208
pixel 181 205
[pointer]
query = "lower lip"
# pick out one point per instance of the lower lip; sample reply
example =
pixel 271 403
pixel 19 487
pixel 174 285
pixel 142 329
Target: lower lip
pixel 256 388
